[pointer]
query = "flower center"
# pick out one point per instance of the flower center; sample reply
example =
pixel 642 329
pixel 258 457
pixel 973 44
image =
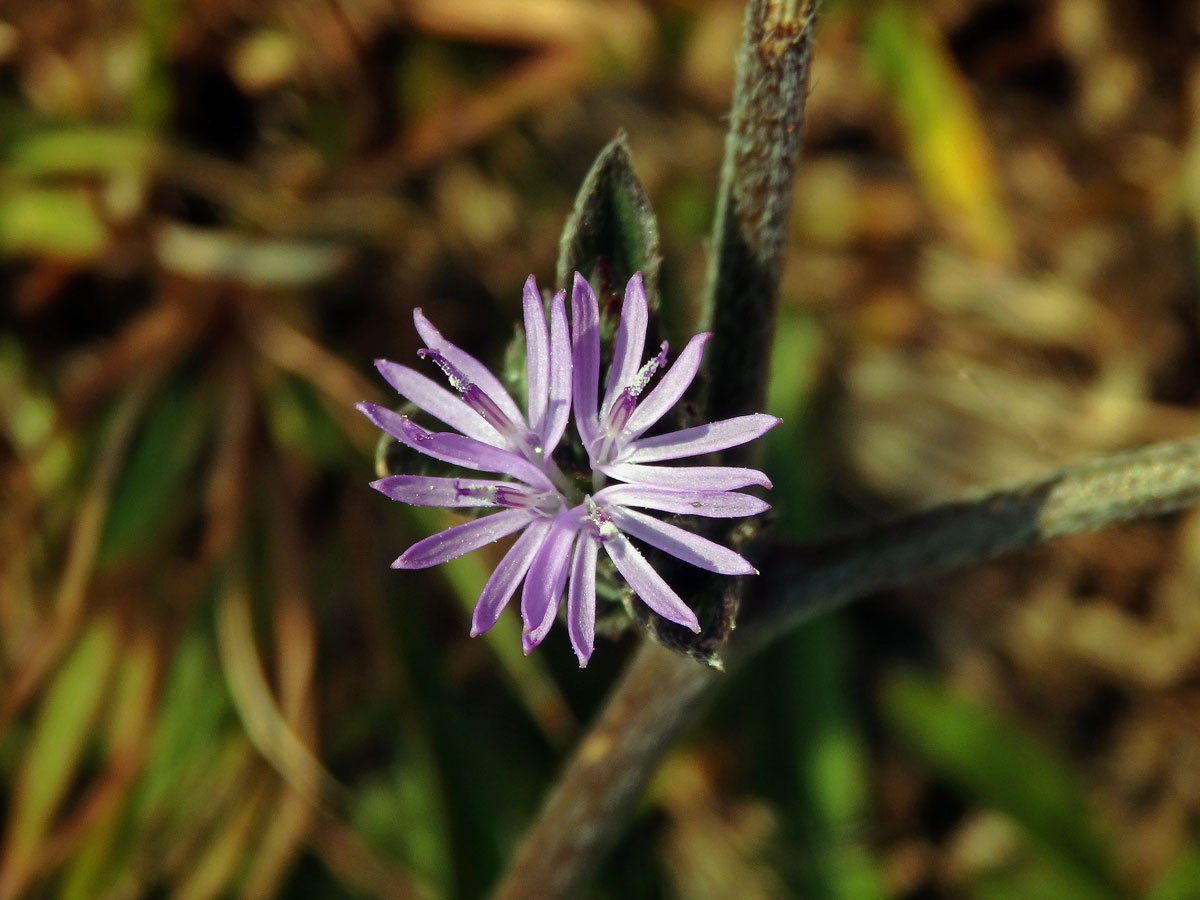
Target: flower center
pixel 600 520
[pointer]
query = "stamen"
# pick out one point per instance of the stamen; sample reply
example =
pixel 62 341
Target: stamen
pixel 513 497
pixel 487 493
pixel 620 411
pixel 486 407
pixel 458 380
pixel 626 401
pixel 548 503
pixel 643 375
pixel 472 394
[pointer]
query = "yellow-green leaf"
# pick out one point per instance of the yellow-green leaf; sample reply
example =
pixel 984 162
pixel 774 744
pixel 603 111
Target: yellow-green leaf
pixel 60 734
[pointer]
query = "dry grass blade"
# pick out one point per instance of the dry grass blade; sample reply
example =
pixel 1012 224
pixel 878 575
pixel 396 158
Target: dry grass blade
pixel 344 853
pixel 575 43
pixel 606 775
pixel 175 832
pixel 295 643
pixel 48 643
pixel 226 491
pixel 212 871
pixel 295 352
pixel 145 346
pixel 265 724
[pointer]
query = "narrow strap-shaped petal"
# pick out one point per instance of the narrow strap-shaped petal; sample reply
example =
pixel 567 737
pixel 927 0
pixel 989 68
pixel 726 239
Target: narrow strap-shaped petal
pixel 546 579
pixel 473 454
pixel 558 407
pixel 507 575
pixel 398 426
pixel 475 371
pixel 455 448
pixel 667 392
pixel 706 438
pixel 681 543
pixel 459 539
pixel 537 355
pixel 714 504
pixel 585 341
pixel 648 584
pixel 630 341
pixel 703 478
pixel 440 403
pixel 429 490
pixel 581 598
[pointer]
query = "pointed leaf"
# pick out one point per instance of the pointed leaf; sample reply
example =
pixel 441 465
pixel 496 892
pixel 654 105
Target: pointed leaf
pixel 612 232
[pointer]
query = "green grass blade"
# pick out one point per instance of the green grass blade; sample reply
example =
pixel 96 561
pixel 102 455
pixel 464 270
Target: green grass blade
pixel 61 733
pixel 1004 768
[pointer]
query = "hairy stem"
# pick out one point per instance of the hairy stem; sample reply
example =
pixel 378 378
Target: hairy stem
pixel 607 774
pixel 801 581
pixel 662 691
pixel 762 151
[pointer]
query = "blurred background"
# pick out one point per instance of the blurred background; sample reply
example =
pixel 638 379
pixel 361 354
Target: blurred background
pixel 215 214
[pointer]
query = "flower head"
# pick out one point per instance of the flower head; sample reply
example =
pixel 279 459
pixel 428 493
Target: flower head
pixel 492 435
pixel 612 430
pixel 562 529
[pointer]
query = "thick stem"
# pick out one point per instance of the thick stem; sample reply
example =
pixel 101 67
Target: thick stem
pixel 802 581
pixel 606 775
pixel 762 152
pixel 661 692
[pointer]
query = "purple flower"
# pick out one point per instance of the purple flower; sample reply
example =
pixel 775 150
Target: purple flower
pixel 493 436
pixel 612 432
pixel 561 528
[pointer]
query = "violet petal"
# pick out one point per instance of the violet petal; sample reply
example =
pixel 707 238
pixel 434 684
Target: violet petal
pixel 459 539
pixel 537 355
pixel 630 341
pixel 429 490
pixel 476 371
pixel 704 478
pixel 585 341
pixel 558 408
pixel 546 579
pixel 581 598
pixel 473 454
pixel 681 543
pixel 508 574
pixel 706 438
pixel 388 420
pixel 667 392
pixel 648 584
pixel 714 504
pixel 455 448
pixel 443 405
